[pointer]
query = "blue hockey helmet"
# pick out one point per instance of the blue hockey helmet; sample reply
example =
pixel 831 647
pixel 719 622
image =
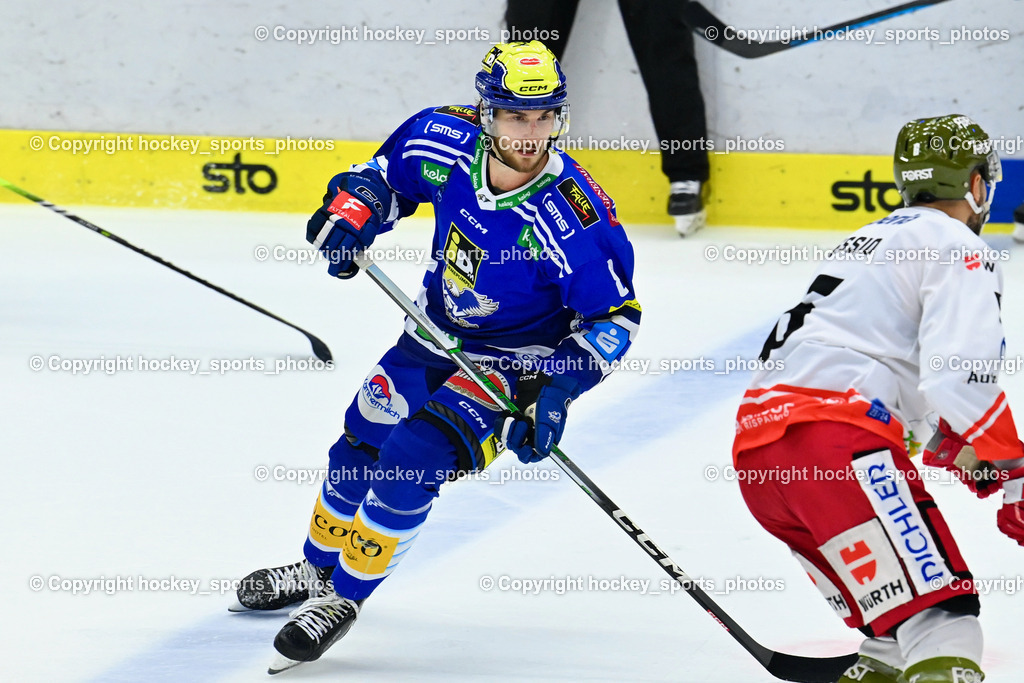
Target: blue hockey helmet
pixel 521 76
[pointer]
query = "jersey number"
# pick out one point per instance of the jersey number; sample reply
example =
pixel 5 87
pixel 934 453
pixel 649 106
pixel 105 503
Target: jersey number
pixel 793 319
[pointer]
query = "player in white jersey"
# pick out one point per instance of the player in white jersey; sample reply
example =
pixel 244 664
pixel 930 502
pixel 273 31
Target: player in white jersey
pixel 899 329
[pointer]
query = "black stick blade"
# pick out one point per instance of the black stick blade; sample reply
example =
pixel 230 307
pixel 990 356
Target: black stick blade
pixel 320 349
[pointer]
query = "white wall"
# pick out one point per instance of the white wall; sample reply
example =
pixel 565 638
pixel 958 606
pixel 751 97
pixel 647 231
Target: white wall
pixel 852 98
pixel 196 67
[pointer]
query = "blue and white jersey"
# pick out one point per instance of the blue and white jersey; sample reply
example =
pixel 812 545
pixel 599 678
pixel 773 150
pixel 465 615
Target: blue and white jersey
pixel 543 273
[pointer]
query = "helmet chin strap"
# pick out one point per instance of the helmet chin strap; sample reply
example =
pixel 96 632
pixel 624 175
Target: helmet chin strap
pixel 986 205
pixel 494 154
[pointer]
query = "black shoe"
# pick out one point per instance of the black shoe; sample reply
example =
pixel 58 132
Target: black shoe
pixel 686 205
pixel 312 629
pixel 267 589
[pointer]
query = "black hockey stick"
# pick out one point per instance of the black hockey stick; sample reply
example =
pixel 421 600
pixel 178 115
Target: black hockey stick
pixel 781 665
pixel 320 349
pixel 712 29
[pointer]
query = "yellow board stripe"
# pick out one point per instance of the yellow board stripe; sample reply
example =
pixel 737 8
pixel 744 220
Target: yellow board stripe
pixel 826 191
pixel 175 171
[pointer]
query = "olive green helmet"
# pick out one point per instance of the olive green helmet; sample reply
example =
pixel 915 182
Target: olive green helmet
pixel 935 157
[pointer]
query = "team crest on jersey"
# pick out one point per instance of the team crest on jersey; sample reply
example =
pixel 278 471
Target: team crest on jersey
pixel 460 304
pixel 378 401
pixel 462 259
pixel 579 202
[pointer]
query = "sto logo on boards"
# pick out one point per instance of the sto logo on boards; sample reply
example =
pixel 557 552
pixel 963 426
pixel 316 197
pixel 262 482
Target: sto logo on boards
pixel 259 178
pixel 871 193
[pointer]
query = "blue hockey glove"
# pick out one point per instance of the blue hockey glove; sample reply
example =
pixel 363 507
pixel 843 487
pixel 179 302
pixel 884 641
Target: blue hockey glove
pixel 544 401
pixel 354 209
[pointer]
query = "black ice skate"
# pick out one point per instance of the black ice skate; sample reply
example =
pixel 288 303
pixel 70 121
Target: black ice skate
pixel 686 206
pixel 312 628
pixel 268 589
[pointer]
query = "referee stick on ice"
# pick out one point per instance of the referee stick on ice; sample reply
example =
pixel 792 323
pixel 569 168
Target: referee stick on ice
pixel 784 666
pixel 320 349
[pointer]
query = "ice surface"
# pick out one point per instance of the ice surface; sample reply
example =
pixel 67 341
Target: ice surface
pixel 153 474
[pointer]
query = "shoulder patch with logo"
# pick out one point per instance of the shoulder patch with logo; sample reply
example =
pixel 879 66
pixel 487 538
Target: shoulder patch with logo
pixel 434 173
pixel 465 113
pixel 579 202
pixel 607 338
pixel 609 205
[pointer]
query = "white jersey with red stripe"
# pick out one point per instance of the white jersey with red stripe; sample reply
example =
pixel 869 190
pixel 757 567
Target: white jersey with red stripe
pixel 901 325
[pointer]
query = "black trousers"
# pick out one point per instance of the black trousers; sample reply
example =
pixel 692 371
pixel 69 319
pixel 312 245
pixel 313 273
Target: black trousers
pixel 663 47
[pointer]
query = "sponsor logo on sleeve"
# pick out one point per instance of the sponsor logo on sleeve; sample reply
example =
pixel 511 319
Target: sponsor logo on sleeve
pixel 579 202
pixel 609 205
pixel 449 132
pixel 607 338
pixel 434 173
pixel 464 113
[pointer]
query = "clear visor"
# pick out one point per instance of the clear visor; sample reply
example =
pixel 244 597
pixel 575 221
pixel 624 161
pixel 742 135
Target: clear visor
pixel 993 169
pixel 524 124
pixel 992 173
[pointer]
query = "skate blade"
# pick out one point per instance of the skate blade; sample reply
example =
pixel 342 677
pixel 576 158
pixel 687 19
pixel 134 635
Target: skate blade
pixel 238 607
pixel 691 223
pixel 281 663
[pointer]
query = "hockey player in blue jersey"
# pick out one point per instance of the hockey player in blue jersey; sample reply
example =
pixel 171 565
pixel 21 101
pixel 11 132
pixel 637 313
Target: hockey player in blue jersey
pixel 531 273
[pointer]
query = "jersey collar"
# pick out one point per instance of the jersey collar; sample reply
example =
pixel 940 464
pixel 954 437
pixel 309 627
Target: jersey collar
pixel 489 201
